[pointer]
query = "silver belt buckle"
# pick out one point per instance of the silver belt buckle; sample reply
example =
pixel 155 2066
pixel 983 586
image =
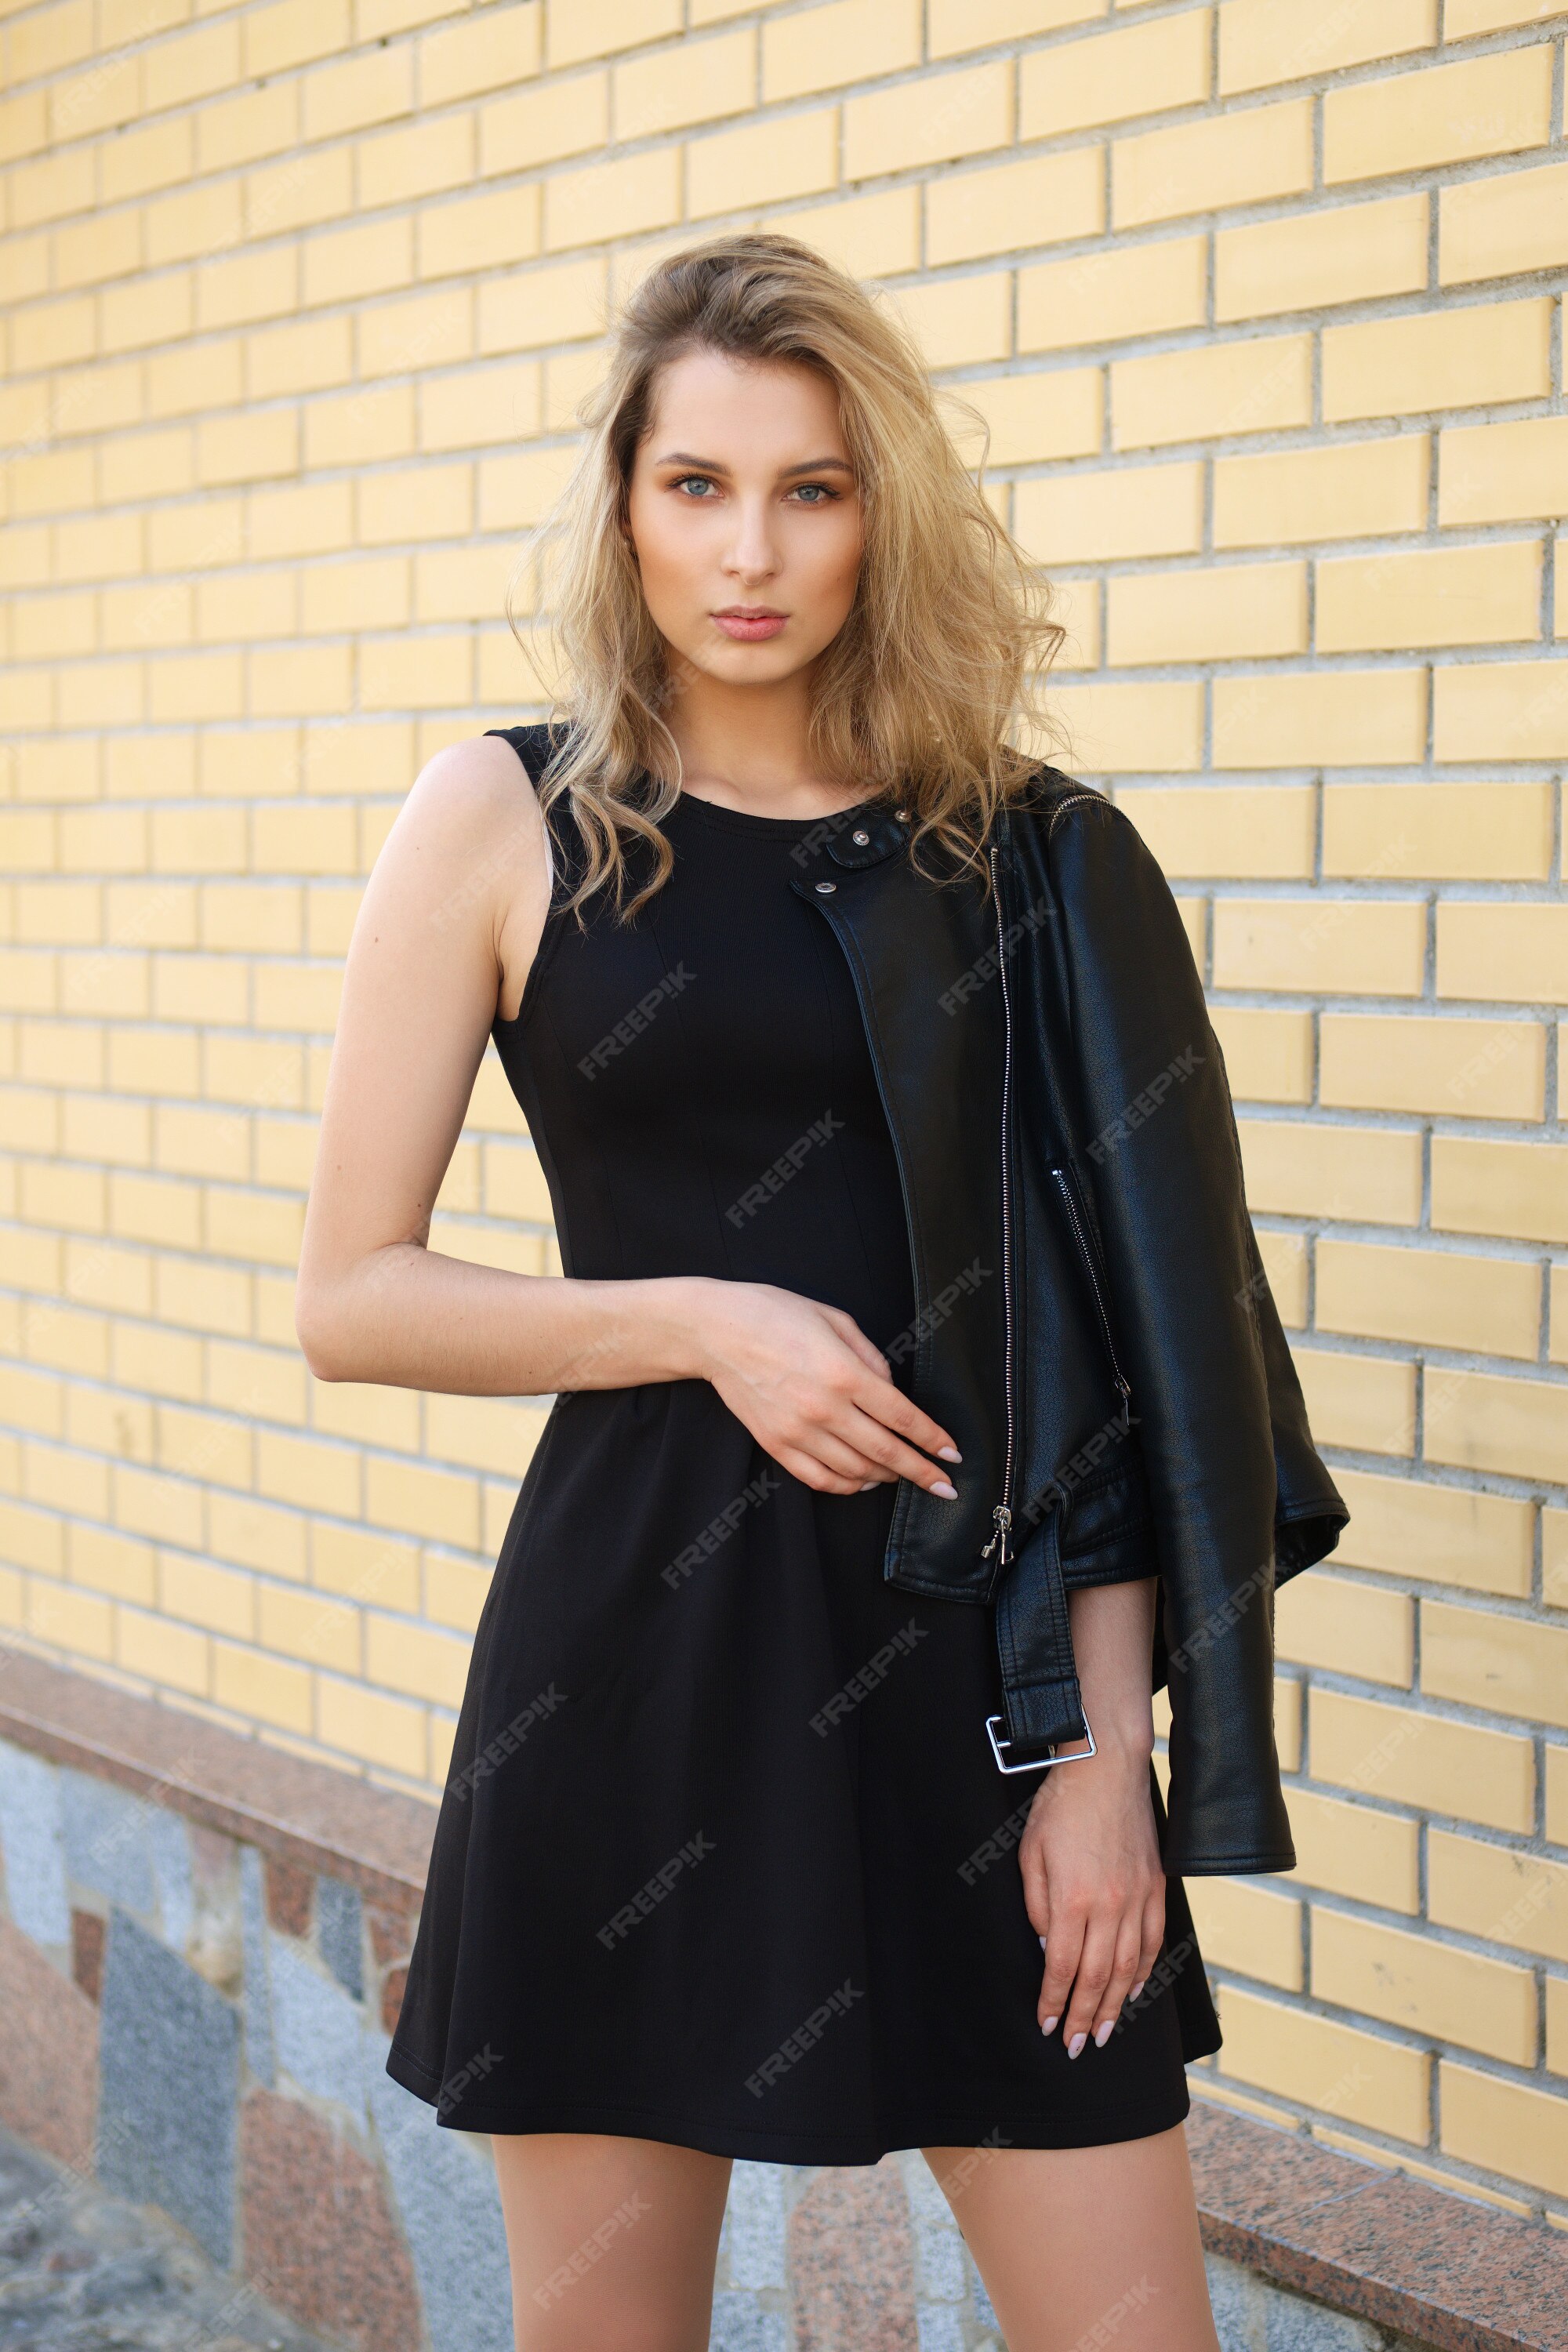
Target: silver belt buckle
pixel 1040 1763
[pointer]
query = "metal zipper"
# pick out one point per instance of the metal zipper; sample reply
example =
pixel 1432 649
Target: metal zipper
pixel 1075 799
pixel 1002 1512
pixel 1086 1254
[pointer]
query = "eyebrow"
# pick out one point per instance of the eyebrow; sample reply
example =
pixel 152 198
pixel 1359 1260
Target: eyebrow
pixel 711 465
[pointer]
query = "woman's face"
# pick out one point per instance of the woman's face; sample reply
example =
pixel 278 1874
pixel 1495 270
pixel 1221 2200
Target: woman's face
pixel 744 502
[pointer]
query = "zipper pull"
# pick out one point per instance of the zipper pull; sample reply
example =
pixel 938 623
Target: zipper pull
pixel 1004 1518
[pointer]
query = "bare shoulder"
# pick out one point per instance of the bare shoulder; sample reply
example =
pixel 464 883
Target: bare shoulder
pixel 475 800
pixel 462 879
pixel 471 836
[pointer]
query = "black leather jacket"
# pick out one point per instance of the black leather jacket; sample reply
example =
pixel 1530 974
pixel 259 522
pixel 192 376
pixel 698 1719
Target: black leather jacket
pixel 1094 1324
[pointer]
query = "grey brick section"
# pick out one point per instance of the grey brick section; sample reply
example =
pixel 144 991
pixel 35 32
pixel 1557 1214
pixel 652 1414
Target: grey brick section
pixel 752 2237
pixel 741 2326
pixel 260 2049
pixel 106 1841
pixel 340 1929
pixel 170 1847
pixel 450 2209
pixel 316 2027
pixel 942 2328
pixel 32 1843
pixel 170 2086
pixel 984 2309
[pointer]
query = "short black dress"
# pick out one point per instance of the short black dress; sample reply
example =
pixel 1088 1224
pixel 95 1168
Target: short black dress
pixel 724 1858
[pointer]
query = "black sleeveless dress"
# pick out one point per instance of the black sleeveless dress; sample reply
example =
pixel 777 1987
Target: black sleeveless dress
pixel 725 1858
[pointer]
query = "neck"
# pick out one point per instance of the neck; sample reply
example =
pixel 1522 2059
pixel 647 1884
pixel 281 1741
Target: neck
pixel 747 746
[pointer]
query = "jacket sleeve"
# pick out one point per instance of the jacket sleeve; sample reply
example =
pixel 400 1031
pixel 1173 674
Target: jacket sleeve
pixel 1158 1159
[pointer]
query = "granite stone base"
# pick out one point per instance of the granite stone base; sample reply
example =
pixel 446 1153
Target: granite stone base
pixel 203 1946
pixel 227 2066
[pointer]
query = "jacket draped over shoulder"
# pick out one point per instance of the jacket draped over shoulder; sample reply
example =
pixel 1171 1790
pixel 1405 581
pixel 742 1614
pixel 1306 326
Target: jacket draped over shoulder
pixel 1234 1497
pixel 1094 1323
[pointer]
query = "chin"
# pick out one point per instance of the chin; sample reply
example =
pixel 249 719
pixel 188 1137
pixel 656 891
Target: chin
pixel 743 664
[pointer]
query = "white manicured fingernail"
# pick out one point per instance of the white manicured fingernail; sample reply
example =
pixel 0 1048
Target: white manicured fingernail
pixel 1138 1988
pixel 948 1494
pixel 1076 2044
pixel 1102 2033
pixel 948 1454
pixel 1042 1943
pixel 866 1485
pixel 1049 2025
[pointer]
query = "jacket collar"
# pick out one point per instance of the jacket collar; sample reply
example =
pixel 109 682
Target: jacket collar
pixel 866 835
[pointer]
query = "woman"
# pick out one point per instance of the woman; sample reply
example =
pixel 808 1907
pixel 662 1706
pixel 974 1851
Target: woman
pixel 722 1867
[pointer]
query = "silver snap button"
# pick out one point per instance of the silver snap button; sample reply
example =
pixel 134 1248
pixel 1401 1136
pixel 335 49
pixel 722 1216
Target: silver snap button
pixel 826 886
pixel 859 838
pixel 901 812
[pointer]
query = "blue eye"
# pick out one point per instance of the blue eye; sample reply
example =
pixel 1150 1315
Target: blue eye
pixel 698 486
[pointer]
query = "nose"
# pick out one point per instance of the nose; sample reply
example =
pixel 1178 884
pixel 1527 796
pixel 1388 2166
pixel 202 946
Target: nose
pixel 751 554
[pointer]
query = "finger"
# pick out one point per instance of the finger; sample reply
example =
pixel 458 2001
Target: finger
pixel 821 1480
pixel 901 1413
pixel 871 1437
pixel 844 1460
pixel 891 1404
pixel 1063 1948
pixel 1096 1962
pixel 1037 1888
pixel 815 1473
pixel 1127 1951
pixel 1153 1936
pixel 849 1331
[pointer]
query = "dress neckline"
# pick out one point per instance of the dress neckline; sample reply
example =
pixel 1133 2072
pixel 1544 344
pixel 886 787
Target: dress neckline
pixel 750 821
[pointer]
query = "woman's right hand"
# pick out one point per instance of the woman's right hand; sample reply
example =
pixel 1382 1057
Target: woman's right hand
pixel 815 1391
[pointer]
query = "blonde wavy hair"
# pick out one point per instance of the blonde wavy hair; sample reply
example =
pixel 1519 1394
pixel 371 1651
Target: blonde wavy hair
pixel 947 643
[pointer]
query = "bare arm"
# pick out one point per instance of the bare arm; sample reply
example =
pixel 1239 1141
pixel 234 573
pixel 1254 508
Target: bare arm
pixel 466 855
pixel 1093 1884
pixel 458 897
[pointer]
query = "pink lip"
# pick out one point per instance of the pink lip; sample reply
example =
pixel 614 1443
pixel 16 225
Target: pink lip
pixel 749 628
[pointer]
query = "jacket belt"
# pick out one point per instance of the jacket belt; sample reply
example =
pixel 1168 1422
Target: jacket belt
pixel 1041 1700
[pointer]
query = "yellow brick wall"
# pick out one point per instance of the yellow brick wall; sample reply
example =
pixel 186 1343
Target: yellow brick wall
pixel 1263 306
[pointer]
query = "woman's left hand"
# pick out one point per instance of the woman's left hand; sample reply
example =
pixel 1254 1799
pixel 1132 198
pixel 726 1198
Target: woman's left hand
pixel 1093 1885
